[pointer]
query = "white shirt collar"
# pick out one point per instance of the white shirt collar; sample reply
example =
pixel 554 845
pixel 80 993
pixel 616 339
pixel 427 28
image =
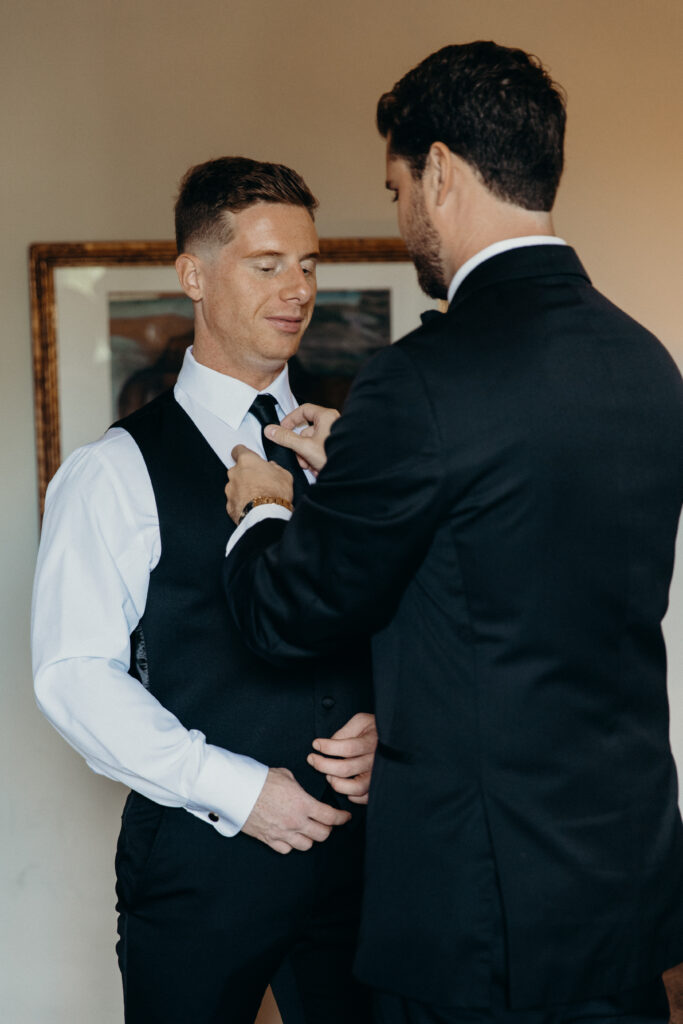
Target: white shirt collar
pixel 495 250
pixel 226 397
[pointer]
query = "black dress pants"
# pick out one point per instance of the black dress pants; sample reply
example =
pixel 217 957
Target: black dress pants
pixel 206 923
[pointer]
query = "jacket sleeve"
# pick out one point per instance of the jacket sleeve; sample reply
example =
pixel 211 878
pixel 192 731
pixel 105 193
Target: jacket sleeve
pixel 339 567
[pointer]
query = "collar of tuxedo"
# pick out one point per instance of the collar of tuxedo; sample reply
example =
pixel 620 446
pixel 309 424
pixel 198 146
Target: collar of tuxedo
pixel 516 264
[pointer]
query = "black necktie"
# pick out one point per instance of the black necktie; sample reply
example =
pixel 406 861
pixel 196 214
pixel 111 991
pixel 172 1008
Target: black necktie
pixel 263 408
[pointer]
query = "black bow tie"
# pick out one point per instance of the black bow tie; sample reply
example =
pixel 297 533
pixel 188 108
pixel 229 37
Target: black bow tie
pixel 263 408
pixel 430 315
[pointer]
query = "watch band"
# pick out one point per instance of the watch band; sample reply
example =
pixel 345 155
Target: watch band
pixel 264 500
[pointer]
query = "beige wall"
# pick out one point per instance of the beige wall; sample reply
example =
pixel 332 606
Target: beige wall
pixel 104 106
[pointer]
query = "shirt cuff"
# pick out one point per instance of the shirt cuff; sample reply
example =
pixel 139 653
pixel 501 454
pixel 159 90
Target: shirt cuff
pixel 257 515
pixel 226 789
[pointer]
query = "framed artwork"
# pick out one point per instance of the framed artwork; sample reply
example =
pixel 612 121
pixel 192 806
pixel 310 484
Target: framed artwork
pixel 110 327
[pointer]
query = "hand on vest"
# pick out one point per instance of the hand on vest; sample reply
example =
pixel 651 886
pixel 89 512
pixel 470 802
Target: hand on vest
pixel 309 445
pixel 252 477
pixel 350 756
pixel 285 817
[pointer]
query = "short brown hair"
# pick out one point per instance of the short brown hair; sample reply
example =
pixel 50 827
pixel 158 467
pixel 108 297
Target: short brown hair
pixel 227 185
pixel 494 106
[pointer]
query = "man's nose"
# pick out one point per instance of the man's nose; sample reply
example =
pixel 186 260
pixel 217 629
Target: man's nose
pixel 298 285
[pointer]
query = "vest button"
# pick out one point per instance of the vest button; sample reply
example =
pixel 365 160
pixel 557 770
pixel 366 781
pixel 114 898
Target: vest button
pixel 213 817
pixel 328 702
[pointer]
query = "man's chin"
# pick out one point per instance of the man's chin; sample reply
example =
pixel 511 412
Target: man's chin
pixel 430 275
pixel 432 286
pixel 440 292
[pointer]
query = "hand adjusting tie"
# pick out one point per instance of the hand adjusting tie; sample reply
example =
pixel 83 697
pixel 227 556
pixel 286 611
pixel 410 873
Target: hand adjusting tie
pixel 263 408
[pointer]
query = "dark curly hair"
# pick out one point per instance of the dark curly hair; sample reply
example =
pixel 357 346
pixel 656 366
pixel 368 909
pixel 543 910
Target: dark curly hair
pixel 495 107
pixel 227 185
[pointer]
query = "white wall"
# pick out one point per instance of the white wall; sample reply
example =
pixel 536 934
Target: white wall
pixel 105 104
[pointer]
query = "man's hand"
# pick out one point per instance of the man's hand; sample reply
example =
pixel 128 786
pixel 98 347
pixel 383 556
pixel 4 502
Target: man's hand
pixel 252 477
pixel 309 445
pixel 673 982
pixel 351 752
pixel 286 817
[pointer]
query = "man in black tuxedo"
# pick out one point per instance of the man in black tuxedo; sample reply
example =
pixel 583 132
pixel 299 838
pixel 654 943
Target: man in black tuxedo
pixel 499 510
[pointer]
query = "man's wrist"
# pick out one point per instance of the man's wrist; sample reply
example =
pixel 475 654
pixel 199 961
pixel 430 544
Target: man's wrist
pixel 226 789
pixel 260 514
pixel 264 500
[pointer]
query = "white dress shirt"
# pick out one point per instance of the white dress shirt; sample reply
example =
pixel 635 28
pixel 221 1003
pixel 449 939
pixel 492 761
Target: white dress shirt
pixel 276 511
pixel 99 543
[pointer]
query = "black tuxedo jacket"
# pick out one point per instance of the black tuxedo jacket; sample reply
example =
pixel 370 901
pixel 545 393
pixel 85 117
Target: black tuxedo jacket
pixel 499 510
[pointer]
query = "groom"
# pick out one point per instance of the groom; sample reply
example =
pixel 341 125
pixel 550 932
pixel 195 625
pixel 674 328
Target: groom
pixel 499 511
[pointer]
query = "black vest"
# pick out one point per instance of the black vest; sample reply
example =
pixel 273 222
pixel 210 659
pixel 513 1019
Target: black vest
pixel 186 649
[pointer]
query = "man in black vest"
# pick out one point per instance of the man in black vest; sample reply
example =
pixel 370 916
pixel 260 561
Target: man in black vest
pixel 131 560
pixel 499 509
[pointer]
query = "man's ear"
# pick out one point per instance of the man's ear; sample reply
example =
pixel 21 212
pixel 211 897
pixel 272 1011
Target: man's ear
pixel 438 172
pixel 188 269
